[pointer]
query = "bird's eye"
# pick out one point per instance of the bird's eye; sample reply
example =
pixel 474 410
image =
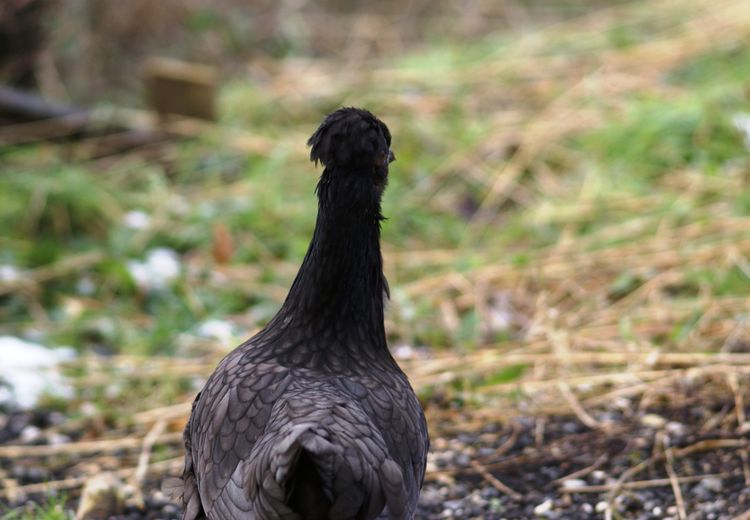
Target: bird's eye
pixel 381 159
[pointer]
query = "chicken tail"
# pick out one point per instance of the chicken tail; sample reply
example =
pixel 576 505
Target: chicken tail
pixel 336 467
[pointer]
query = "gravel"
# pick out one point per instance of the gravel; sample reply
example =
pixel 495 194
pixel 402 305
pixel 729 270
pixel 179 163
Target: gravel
pixel 524 468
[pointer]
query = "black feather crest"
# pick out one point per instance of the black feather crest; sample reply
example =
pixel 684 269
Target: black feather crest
pixel 349 137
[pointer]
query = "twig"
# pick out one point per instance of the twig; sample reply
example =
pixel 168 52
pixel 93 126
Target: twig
pixel 56 127
pixel 739 408
pixel 705 445
pixel 139 475
pixel 583 471
pixel 539 427
pixel 572 401
pixel 52 271
pixel 508 444
pixel 641 484
pixel 78 448
pixel 716 419
pixel 167 466
pixel 174 411
pixel 673 478
pixel 739 401
pixel 148 443
pixel 495 482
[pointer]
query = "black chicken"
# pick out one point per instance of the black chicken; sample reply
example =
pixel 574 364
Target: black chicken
pixel 312 418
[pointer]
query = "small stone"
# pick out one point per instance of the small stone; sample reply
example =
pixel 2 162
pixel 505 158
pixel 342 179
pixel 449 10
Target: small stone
pixel 598 475
pixel 453 505
pixel 430 496
pixel 102 497
pixel 30 434
pixel 712 484
pixel 490 492
pixel 707 488
pixel 651 420
pixel 601 507
pixel 56 439
pixel 171 510
pixel 573 483
pixel 485 452
pixel 676 428
pixel 462 459
pixel 543 508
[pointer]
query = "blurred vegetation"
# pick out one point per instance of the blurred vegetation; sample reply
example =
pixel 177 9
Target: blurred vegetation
pixel 570 202
pixel 458 110
pixel 53 509
pixel 563 134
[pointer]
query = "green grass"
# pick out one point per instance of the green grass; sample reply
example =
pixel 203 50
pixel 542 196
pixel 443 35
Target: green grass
pixel 52 509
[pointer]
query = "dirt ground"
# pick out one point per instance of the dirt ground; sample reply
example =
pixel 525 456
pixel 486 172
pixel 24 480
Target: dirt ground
pixel 678 457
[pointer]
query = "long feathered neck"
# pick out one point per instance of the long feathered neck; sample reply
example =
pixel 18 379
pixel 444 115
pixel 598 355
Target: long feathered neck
pixel 339 290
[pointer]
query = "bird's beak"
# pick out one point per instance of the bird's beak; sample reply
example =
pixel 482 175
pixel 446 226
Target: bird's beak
pixel 391 157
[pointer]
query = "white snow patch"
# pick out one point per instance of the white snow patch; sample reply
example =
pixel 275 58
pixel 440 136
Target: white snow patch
pixel 223 331
pixel 85 286
pixel 137 219
pixel 9 273
pixel 404 351
pixel 31 369
pixel 157 271
pixel 741 122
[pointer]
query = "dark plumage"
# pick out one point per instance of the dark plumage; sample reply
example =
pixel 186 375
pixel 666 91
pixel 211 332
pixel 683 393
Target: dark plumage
pixel 312 418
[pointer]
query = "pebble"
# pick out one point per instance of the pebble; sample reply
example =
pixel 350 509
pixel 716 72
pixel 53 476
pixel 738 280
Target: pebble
pixel 713 484
pixel 462 459
pixel 573 483
pixel 651 420
pixel 676 429
pixel 55 439
pixel 453 504
pixel 598 475
pixel 464 495
pixel 543 508
pixel 30 434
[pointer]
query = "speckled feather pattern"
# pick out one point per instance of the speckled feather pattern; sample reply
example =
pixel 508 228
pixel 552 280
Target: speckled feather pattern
pixel 317 392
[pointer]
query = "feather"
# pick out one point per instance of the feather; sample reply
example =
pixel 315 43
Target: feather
pixel 312 418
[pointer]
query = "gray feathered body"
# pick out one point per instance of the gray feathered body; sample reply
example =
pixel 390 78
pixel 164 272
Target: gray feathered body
pixel 312 418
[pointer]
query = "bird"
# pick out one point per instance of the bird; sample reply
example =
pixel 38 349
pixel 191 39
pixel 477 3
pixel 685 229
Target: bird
pixel 312 418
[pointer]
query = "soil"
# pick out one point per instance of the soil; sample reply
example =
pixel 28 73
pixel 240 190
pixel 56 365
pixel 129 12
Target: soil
pixel 659 463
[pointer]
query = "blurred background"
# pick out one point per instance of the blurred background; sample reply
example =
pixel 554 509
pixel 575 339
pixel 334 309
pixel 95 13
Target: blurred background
pixel 567 238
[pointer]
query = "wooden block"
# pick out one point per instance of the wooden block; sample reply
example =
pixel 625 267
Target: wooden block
pixel 179 88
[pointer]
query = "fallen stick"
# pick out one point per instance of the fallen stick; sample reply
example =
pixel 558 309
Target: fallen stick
pixel 102 446
pixel 641 484
pixel 495 482
pixel 29 106
pixel 49 272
